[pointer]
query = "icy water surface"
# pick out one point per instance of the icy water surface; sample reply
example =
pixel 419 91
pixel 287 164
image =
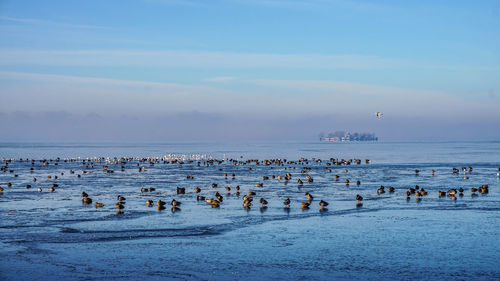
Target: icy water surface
pixel 53 236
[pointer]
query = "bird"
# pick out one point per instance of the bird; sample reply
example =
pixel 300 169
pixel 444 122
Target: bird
pixel 309 178
pixel 215 203
pixel 263 202
pixel 309 196
pixel 323 204
pixel 381 190
pixel 287 203
pixel 175 203
pixel 247 204
pixel 379 115
pixel 218 196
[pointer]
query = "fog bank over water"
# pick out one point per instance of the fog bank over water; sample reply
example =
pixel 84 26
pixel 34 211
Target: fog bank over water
pixel 200 126
pixel 42 107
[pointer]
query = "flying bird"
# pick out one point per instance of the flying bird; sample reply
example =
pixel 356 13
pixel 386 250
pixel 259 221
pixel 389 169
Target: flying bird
pixel 379 115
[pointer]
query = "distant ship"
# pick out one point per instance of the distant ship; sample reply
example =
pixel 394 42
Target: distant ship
pixel 340 136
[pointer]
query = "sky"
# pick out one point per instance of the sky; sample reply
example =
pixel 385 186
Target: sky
pixel 248 70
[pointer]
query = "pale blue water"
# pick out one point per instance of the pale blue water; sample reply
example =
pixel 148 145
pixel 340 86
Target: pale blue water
pixel 52 236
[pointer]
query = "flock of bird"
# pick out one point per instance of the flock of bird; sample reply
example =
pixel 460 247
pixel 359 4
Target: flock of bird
pixel 217 200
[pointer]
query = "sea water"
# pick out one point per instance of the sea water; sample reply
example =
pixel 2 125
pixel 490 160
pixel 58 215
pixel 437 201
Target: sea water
pixel 53 236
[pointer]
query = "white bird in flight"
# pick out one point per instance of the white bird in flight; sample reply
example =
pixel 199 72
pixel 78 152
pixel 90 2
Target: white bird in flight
pixel 379 115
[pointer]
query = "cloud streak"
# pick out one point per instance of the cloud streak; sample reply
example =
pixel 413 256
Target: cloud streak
pixel 219 79
pixel 34 21
pixel 361 6
pixel 101 95
pixel 213 60
pixel 360 97
pixel 190 59
pixel 262 97
pixel 196 59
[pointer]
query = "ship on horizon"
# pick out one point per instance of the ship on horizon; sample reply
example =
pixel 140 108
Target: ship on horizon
pixel 341 136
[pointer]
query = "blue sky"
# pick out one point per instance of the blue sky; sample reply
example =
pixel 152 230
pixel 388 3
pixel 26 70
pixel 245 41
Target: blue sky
pixel 433 68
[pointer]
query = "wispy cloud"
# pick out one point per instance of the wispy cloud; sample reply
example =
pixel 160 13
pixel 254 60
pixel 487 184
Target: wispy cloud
pixel 255 97
pixel 220 79
pixel 102 95
pixel 214 60
pixel 191 3
pixel 356 98
pixel 33 21
pixel 194 59
pixel 276 3
pixel 78 80
pixel 356 5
